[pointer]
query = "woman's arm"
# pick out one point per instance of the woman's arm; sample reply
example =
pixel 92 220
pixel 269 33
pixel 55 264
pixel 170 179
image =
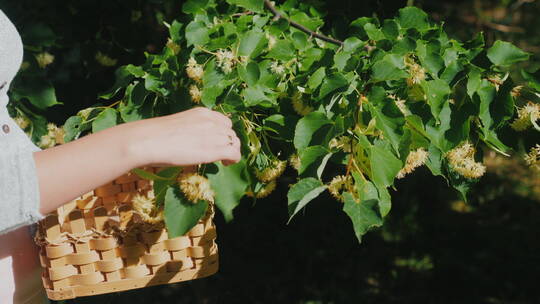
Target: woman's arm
pixel 183 139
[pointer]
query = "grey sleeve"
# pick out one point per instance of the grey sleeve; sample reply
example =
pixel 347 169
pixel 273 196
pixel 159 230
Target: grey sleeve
pixel 19 189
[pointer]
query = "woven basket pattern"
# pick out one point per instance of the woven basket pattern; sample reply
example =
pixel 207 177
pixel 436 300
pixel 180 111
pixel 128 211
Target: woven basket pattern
pixel 81 256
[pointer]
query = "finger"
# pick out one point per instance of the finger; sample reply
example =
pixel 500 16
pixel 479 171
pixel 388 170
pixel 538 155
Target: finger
pixel 228 137
pixel 219 118
pixel 232 153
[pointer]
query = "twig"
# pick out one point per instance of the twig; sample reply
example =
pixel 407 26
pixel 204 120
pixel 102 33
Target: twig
pixel 304 29
pixel 504 28
pixel 243 14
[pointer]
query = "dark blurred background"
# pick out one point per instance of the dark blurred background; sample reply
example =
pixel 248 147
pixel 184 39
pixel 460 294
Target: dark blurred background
pixel 433 248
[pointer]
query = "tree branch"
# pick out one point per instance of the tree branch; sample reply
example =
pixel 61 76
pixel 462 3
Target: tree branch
pixel 304 29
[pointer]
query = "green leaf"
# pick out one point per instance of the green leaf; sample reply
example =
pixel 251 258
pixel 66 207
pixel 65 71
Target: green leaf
pixel 255 95
pixel 486 94
pixel 229 184
pixel 194 6
pixel 316 78
pixel 390 29
pixel 474 79
pixel 311 56
pixel 134 70
pixel 147 175
pixel 388 117
pixel 153 83
pixel 504 54
pixel 307 126
pixel 451 71
pixel 249 73
pixel 437 93
pixel 460 183
pixel 252 43
pixel 307 21
pixel 39 92
pixel 533 79
pixel 136 94
pixel 417 125
pixel 282 125
pixel 332 83
pixel 435 161
pixel 180 214
pixel 373 32
pixel 385 201
pixel 300 40
pixel 72 128
pixel 391 67
pixel 39 34
pixel 351 44
pixel 311 156
pixel 433 63
pixel 491 138
pixel 323 163
pixel 197 33
pixel 502 108
pixel 252 5
pixel 282 50
pixel 341 59
pixel 174 31
pixel 413 17
pixel 123 77
pixel 106 119
pixel 384 166
pixel 160 186
pixel 213 83
pixel 301 193
pixel 130 112
pixel 365 215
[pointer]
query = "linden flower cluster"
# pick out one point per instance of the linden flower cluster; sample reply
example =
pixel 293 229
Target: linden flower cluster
pixel 338 185
pixel 294 161
pixel 533 157
pixel 22 121
pixel 496 80
pixel 25 65
pixel 416 71
pixel 195 187
pixel 516 91
pixel 526 115
pixel 195 93
pixel 271 41
pixel 277 68
pixel 343 142
pixel 175 48
pixel 53 137
pixel 462 161
pixel 299 105
pixel 44 59
pixel 400 103
pixel 225 60
pixel 414 160
pixel 105 60
pixel 272 172
pixel 85 113
pixel 265 191
pixel 146 208
pixel 194 70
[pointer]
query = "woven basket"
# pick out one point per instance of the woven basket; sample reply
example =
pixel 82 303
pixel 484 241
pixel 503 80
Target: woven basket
pixel 82 256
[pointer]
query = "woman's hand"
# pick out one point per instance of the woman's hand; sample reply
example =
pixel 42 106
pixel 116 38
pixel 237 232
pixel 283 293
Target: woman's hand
pixel 187 138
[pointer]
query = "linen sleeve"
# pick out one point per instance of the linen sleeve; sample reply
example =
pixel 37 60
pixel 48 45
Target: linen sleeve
pixel 19 188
